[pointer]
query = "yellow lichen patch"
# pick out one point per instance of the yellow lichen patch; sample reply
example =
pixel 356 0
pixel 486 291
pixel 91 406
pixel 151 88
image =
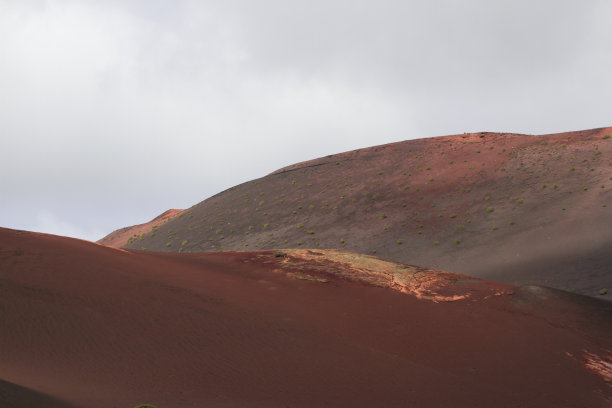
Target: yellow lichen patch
pixel 303 276
pixel 601 366
pixel 427 284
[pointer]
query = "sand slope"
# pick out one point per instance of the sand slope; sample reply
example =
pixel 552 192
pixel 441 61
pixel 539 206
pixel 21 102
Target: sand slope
pixel 102 327
pixel 516 208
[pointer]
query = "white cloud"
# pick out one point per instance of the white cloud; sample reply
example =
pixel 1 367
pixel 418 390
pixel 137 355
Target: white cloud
pixel 114 111
pixel 51 224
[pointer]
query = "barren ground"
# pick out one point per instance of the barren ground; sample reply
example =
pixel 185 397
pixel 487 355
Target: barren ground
pixel 85 325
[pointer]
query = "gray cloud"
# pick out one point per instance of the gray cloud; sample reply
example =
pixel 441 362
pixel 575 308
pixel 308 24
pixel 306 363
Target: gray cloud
pixel 112 112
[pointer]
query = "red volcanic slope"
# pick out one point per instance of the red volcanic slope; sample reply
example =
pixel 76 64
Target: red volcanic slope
pixel 136 232
pixel 520 209
pixel 97 327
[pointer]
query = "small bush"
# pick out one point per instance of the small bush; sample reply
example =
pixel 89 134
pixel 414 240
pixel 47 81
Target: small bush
pixel 490 209
pixel 457 242
pixel 382 216
pixel 400 242
pixel 168 244
pixel 607 137
pixel 342 241
pixel 184 243
pixel 145 406
pixel 436 242
pixel 452 216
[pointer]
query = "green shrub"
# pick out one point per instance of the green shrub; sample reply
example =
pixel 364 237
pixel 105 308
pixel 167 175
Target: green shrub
pixel 168 244
pixel 490 209
pixel 342 241
pixel 382 216
pixel 400 242
pixel 145 406
pixel 184 243
pixel 457 242
pixel 607 137
pixel 436 242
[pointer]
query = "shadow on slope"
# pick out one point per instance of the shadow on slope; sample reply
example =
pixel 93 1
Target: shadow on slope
pixel 15 396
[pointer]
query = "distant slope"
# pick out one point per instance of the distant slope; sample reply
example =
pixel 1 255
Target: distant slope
pixel 103 327
pixel 515 208
pixel 136 232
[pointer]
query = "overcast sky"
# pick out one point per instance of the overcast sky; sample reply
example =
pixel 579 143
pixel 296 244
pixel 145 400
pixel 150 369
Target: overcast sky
pixel 112 112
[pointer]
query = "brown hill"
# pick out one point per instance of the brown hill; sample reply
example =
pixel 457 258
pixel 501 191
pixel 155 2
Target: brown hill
pixel 137 232
pixel 516 208
pixel 101 327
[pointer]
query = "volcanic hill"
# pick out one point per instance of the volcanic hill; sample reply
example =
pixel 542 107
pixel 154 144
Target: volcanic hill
pixel 521 209
pixel 91 326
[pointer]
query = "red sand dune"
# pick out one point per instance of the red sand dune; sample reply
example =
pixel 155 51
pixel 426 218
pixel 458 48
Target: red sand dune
pixel 96 326
pixel 521 209
pixel 125 235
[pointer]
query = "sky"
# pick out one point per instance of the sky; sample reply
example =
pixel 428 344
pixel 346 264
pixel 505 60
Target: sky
pixel 113 111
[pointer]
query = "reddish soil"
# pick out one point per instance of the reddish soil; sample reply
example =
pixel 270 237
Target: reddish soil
pixel 521 209
pixel 96 326
pixel 137 232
